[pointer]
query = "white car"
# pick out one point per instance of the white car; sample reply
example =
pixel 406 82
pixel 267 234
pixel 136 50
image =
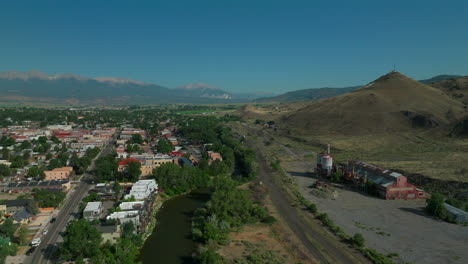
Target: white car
pixel 36 242
pixel 45 232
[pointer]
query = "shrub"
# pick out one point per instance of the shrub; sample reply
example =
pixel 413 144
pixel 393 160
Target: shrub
pixel 358 240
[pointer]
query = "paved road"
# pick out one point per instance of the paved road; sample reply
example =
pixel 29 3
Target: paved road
pixel 45 250
pixel 319 243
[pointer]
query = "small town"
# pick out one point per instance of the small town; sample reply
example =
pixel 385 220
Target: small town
pixel 43 167
pixel 233 132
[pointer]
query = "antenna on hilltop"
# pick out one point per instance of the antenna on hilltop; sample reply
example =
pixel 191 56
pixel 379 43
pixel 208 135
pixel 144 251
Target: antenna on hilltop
pixel 394 68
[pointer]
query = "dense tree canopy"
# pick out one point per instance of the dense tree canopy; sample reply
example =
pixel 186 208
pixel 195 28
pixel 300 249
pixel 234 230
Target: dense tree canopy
pixel 165 146
pixel 48 198
pixel 81 238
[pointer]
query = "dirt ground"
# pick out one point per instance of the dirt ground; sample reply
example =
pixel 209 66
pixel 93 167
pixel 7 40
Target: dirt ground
pixel 9 196
pixel 399 227
pixel 276 237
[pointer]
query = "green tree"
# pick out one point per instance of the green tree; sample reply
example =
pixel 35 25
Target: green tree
pixel 207 255
pixel 133 171
pixel 23 235
pixel 435 206
pixel 164 146
pixel 25 145
pixel 55 139
pixel 80 239
pixel 7 229
pixel 136 139
pixel 106 168
pixel 47 198
pixel 37 171
pixel 116 188
pixel 4 170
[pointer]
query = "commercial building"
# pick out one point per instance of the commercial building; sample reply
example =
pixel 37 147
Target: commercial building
pixel 58 173
pixel 92 211
pixel 148 162
pixel 83 145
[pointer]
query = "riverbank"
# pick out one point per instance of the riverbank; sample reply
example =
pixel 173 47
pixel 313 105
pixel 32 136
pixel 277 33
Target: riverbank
pixel 168 238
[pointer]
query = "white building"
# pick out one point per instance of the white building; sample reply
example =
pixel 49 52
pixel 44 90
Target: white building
pixel 125 216
pixel 92 211
pixel 142 189
pixel 131 206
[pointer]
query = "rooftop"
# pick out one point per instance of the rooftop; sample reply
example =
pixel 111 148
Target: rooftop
pixel 93 206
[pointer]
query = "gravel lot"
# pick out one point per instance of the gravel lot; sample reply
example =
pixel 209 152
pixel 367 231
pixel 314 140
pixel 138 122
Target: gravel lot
pixel 399 227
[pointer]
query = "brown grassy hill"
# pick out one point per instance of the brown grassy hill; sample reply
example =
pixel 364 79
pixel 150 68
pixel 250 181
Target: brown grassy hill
pixel 457 88
pixel 267 112
pixel 391 103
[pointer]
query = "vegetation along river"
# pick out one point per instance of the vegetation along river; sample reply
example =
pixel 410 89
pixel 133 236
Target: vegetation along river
pixel 170 242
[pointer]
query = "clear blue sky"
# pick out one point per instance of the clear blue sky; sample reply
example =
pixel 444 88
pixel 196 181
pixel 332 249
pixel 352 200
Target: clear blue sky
pixel 270 46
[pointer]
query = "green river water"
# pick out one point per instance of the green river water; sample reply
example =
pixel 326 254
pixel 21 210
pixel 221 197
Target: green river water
pixel 170 242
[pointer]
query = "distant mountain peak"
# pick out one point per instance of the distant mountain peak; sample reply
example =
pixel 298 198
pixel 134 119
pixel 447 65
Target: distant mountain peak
pixel 118 80
pixel 198 86
pixel 205 90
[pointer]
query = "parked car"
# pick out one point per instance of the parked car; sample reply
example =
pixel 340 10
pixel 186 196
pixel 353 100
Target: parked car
pixel 45 232
pixel 53 220
pixel 30 251
pixel 35 242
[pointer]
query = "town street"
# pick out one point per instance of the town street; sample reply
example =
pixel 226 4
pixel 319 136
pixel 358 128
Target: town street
pixel 45 250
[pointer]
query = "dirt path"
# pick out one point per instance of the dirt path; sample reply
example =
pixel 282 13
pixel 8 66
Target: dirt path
pixel 321 245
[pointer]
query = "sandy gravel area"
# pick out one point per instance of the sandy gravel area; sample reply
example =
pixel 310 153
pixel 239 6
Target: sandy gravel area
pixel 399 227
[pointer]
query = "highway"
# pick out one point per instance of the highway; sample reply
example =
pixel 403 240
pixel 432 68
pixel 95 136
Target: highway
pixel 44 252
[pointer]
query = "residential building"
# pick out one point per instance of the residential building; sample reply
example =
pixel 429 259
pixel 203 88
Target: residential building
pixel 125 216
pixel 212 156
pixel 142 189
pixel 21 217
pixel 132 206
pixel 14 206
pixel 3 210
pixel 92 211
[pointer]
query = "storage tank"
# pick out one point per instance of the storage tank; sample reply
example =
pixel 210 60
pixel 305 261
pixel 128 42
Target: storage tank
pixel 319 160
pixel 327 162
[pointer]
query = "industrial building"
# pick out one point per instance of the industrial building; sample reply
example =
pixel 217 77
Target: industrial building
pixel 92 211
pixel 390 185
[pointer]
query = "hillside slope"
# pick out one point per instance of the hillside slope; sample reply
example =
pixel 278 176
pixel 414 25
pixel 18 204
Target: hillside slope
pixel 307 94
pixel 391 103
pixel 322 93
pixel 457 88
